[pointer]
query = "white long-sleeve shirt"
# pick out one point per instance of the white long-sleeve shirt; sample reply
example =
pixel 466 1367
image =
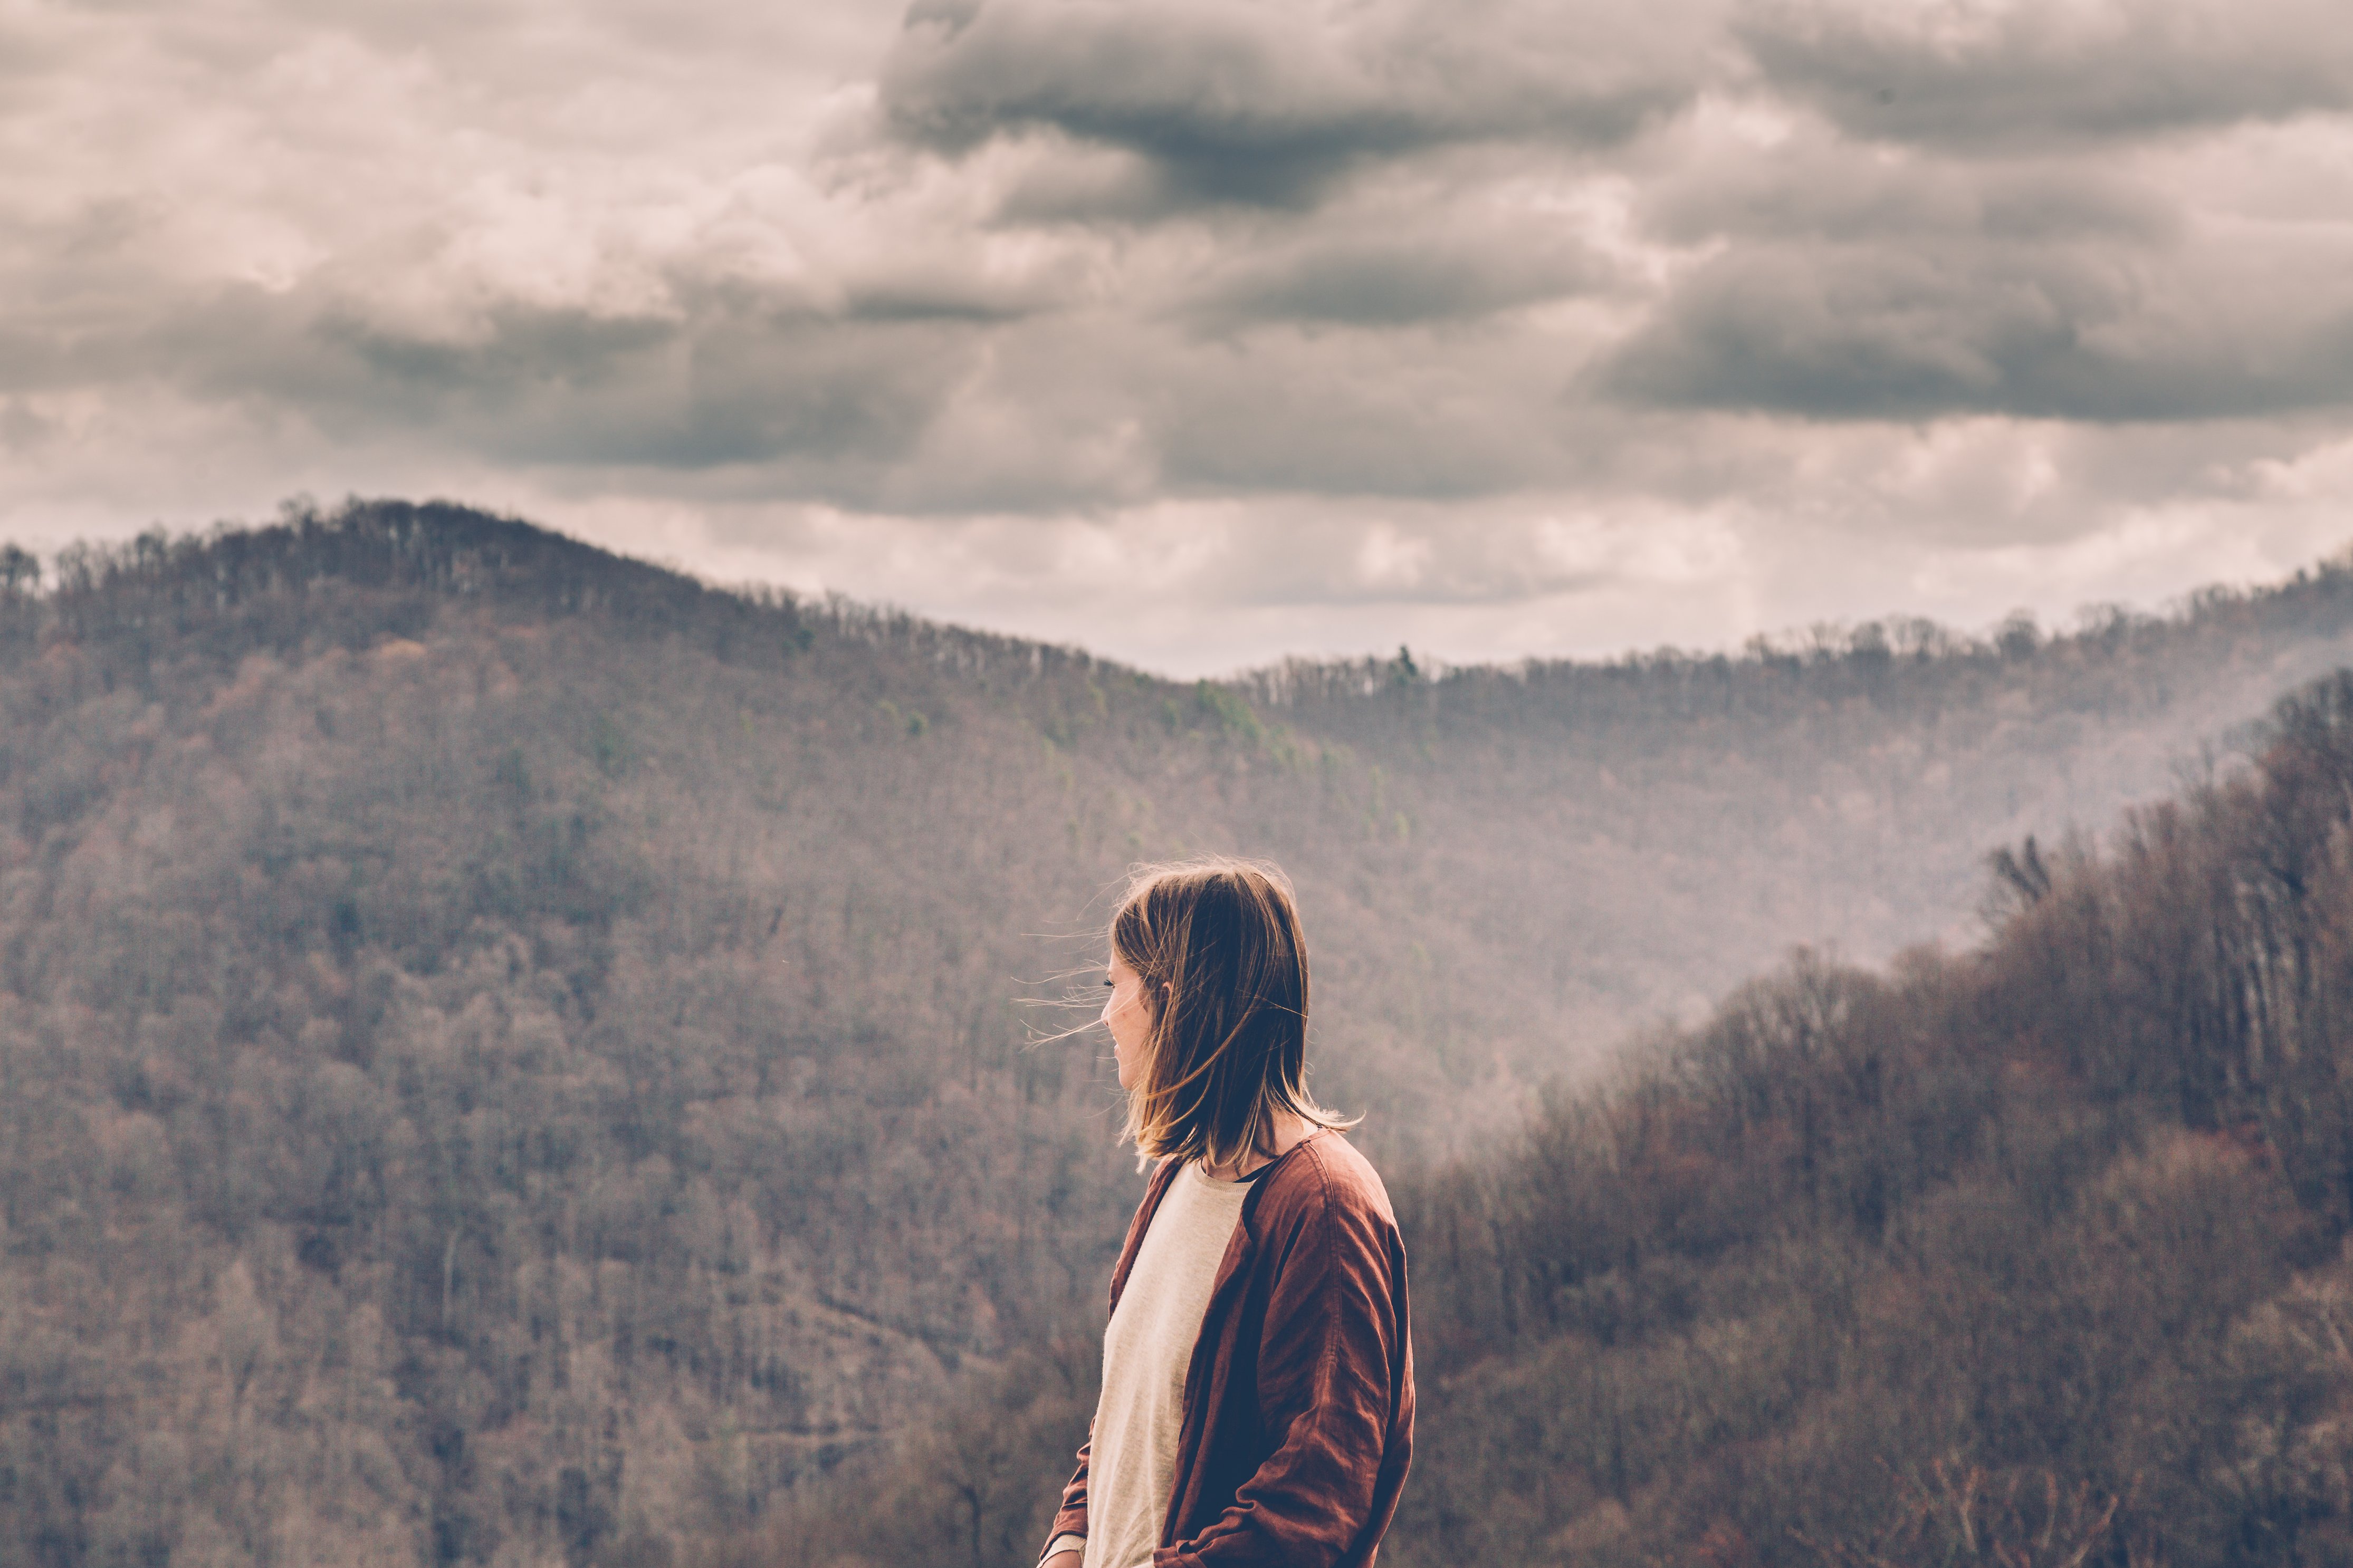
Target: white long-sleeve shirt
pixel 1146 1351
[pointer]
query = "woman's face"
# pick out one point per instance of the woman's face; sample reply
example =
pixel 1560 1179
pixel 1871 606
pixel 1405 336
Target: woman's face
pixel 1127 1013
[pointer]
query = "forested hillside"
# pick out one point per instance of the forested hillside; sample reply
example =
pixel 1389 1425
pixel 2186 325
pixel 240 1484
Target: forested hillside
pixel 511 1055
pixel 2029 1258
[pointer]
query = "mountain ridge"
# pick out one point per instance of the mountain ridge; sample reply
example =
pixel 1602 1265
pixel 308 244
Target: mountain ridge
pixel 484 1021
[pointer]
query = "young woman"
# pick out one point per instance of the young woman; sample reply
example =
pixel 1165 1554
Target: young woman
pixel 1257 1401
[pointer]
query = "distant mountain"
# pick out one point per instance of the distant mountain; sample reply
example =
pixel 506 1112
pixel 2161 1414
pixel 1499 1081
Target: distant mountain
pixel 510 1053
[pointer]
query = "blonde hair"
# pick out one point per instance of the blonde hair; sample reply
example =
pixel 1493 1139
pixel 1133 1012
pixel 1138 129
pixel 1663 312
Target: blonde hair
pixel 1217 944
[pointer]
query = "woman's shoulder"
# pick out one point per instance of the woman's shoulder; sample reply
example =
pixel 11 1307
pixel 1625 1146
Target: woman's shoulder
pixel 1324 1177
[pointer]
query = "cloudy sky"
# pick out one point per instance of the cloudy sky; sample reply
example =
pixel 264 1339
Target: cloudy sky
pixel 1204 331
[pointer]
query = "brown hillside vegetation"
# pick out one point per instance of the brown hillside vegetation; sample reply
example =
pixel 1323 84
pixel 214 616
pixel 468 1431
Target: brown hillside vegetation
pixel 2030 1258
pixel 511 1055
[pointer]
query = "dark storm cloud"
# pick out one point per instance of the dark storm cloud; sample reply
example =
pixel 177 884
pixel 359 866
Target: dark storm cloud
pixel 1266 106
pixel 733 379
pixel 2025 76
pixel 1401 279
pixel 1845 286
pixel 1866 334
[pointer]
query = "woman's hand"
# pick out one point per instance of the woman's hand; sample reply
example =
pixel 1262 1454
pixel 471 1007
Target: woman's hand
pixel 1061 1559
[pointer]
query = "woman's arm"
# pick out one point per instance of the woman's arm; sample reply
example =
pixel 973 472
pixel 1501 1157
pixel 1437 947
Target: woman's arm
pixel 1334 1392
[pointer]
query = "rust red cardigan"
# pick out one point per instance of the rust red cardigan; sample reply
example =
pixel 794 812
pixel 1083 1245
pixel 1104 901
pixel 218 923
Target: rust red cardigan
pixel 1299 1402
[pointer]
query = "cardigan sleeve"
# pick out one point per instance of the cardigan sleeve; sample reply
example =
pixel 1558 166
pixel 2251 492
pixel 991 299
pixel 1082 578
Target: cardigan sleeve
pixel 1333 1370
pixel 1070 1519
